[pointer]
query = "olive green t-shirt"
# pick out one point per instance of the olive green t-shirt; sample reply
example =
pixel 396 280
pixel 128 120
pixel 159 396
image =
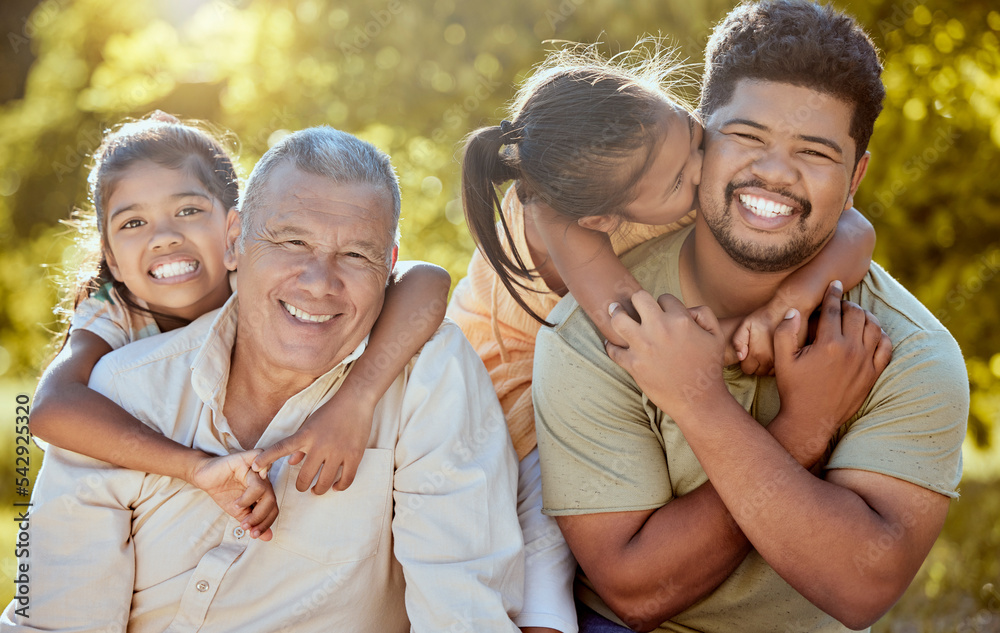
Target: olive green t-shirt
pixel 606 448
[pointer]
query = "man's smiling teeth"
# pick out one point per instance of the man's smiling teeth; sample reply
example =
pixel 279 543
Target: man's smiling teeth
pixel 173 269
pixel 305 316
pixel 765 208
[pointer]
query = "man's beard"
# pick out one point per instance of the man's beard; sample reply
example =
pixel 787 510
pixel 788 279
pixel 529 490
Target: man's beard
pixel 758 258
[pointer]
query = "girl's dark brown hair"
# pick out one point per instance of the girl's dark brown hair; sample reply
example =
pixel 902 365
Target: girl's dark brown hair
pixel 164 140
pixel 581 134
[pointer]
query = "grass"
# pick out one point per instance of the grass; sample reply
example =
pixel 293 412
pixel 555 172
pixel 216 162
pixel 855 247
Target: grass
pixel 957 588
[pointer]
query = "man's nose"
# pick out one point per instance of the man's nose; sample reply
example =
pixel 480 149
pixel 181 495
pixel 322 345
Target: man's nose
pixel 775 167
pixel 321 276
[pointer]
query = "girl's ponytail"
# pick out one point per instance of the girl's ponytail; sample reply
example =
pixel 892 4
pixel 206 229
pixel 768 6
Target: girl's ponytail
pixel 484 168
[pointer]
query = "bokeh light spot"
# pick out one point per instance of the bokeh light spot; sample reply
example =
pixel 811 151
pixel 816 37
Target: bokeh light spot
pixel 995 365
pixel 431 186
pixel 10 182
pixel 276 137
pixel 387 58
pixel 454 213
pixel 454 34
pixel 943 42
pixel 914 109
pixel 338 18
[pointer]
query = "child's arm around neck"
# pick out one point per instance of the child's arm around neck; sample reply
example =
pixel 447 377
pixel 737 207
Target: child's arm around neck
pixel 587 265
pixel 70 415
pixel 333 439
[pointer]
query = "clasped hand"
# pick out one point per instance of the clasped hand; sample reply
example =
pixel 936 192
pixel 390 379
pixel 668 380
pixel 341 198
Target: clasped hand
pixel 676 356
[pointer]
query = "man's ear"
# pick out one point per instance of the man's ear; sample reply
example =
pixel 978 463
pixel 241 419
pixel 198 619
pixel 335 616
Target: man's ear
pixel 856 178
pixel 395 258
pixel 232 237
pixel 109 257
pixel 601 223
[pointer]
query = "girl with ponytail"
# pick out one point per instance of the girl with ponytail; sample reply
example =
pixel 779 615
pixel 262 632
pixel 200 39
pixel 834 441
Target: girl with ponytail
pixel 602 156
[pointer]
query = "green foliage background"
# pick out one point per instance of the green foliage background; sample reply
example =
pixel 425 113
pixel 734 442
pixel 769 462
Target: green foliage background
pixel 414 76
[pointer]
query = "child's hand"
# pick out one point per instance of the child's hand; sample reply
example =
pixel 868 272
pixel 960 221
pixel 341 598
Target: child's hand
pixel 675 354
pixel 231 484
pixel 753 339
pixel 334 437
pixel 828 380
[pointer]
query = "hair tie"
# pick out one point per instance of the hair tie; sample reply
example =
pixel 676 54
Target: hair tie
pixel 507 132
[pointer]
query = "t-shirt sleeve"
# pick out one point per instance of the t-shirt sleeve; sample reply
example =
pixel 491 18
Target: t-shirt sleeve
pixel 104 318
pixel 598 449
pixel 914 421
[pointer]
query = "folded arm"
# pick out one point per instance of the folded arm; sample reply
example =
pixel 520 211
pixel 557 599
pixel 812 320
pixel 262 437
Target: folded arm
pixel 798 522
pixel 69 414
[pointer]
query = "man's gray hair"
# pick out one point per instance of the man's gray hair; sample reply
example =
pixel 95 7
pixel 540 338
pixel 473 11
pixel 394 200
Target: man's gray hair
pixel 323 151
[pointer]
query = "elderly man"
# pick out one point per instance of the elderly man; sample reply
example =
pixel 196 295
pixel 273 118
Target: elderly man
pixel 686 494
pixel 426 537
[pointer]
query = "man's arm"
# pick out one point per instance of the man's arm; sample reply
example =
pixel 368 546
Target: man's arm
pixel 803 523
pixel 807 525
pixel 79 531
pixel 455 524
pixel 648 554
pixel 650 565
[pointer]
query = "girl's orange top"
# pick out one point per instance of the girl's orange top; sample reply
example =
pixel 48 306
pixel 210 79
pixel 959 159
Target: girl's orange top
pixel 503 334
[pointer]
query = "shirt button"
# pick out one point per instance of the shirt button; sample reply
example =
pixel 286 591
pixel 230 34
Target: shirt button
pixel 202 586
pixel 238 532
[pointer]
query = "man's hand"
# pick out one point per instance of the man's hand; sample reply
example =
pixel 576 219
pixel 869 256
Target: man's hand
pixel 828 380
pixel 229 481
pixel 333 438
pixel 675 354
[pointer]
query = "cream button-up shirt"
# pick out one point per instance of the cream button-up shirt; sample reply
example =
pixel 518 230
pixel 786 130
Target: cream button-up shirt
pixel 425 539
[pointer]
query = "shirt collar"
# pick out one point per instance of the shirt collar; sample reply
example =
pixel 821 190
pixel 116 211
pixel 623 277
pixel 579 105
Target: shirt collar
pixel 210 368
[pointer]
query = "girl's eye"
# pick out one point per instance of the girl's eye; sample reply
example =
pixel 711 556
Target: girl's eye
pixel 680 180
pixel 188 211
pixel 133 224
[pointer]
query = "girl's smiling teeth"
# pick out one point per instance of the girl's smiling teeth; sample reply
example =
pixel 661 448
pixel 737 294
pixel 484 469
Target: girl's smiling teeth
pixel 305 316
pixel 173 269
pixel 763 207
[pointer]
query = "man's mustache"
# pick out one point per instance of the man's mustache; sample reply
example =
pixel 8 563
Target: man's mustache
pixel 731 188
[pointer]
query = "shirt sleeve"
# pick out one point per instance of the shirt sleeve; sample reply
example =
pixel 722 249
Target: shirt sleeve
pixel 80 559
pixel 455 526
pixel 104 319
pixel 594 427
pixel 914 421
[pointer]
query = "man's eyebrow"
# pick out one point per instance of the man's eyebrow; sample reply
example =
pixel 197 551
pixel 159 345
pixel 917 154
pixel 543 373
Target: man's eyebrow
pixel 822 140
pixel 287 230
pixel 297 231
pixel 748 122
pixel 368 246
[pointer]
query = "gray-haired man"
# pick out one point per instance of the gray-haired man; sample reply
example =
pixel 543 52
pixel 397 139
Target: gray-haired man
pixel 426 537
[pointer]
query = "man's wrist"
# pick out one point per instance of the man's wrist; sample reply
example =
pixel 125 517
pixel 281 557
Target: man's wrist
pixel 798 436
pixel 701 402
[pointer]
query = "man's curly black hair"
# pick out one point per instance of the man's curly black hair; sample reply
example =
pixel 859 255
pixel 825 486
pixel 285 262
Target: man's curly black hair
pixel 801 43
